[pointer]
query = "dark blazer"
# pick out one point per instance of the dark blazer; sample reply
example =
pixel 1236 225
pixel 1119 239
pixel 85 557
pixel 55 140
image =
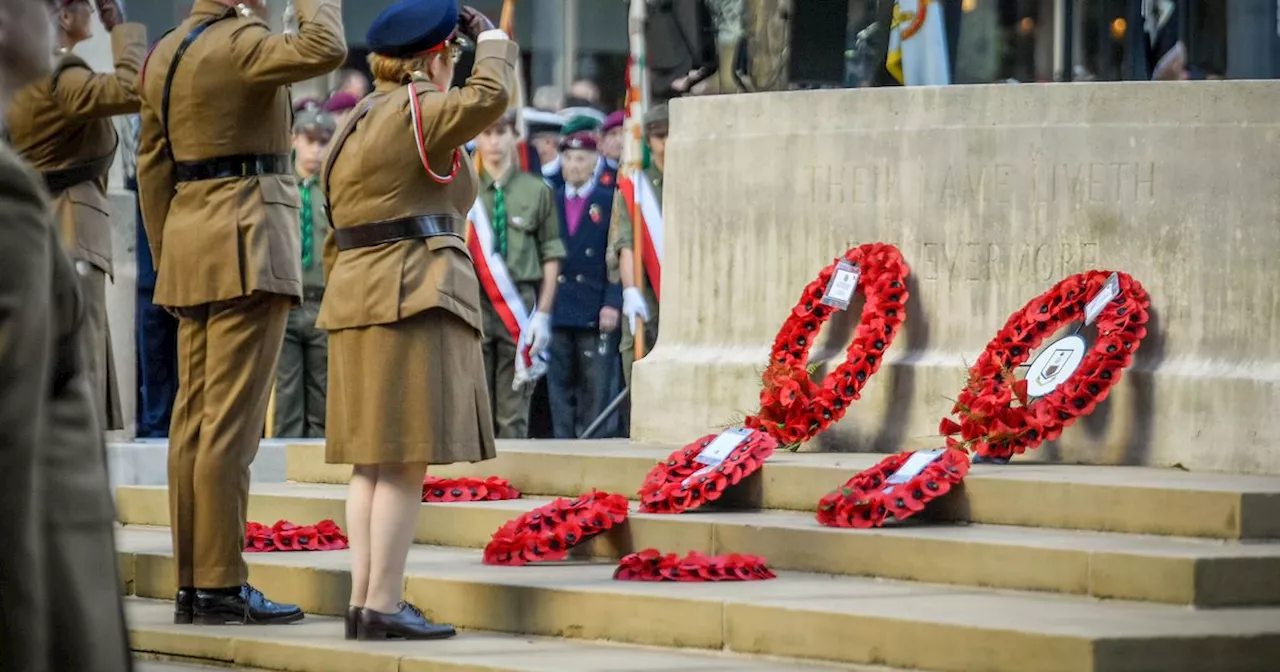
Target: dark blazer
pixel 584 286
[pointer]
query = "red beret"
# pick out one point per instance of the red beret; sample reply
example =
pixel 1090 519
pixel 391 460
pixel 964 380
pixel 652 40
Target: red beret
pixel 580 140
pixel 612 121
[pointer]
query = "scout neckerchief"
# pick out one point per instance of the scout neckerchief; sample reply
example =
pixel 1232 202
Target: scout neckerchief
pixel 650 210
pixel 308 223
pixel 495 278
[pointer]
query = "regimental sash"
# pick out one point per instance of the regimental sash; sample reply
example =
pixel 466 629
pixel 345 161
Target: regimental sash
pixel 496 280
pixel 640 192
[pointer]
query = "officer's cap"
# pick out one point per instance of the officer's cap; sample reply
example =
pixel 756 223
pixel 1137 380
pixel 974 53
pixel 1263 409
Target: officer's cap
pixel 656 117
pixel 540 121
pixel 580 140
pixel 411 27
pixel 315 122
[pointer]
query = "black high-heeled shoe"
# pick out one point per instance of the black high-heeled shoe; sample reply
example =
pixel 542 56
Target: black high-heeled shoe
pixel 353 622
pixel 408 623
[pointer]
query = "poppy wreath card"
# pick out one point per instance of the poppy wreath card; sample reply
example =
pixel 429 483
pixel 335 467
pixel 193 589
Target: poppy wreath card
pixel 681 483
pixel 793 407
pixel 286 536
pixel 652 565
pixel 872 497
pixel 998 416
pixel 467 489
pixel 546 533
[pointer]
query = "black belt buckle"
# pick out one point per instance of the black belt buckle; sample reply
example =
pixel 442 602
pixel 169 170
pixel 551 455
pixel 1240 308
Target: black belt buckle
pixel 241 166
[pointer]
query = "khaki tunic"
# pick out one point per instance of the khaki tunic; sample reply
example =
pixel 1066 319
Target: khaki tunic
pixel 622 237
pixel 61 610
pixel 405 370
pixel 215 240
pixel 64 121
pixel 533 238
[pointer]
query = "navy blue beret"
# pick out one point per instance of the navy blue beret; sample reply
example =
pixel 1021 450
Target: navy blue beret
pixel 409 27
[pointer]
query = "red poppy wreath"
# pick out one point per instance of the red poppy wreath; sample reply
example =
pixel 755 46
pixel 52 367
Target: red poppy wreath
pixel 997 419
pixel 680 483
pixel 793 408
pixel 548 532
pixel 870 497
pixel 464 489
pixel 286 536
pixel 652 565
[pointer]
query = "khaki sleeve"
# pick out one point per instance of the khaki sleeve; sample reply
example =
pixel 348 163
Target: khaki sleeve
pixel 550 247
pixel 155 180
pixel 84 94
pixel 319 46
pixel 467 110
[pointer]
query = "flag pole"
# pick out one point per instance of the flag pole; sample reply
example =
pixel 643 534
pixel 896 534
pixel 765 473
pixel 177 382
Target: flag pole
pixel 507 24
pixel 633 151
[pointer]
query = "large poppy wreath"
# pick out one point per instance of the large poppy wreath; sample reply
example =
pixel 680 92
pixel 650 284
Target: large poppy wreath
pixel 793 408
pixel 680 484
pixel 652 565
pixel 465 489
pixel 997 420
pixel 548 532
pixel 868 499
pixel 286 536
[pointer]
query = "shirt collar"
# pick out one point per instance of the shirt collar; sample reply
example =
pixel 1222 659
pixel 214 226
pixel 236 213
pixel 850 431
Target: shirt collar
pixel 581 192
pixel 487 181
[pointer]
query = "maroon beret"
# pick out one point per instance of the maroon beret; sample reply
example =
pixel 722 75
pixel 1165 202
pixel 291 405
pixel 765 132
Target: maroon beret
pixel 340 101
pixel 580 140
pixel 612 121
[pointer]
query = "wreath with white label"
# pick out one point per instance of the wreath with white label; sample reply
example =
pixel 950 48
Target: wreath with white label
pixel 683 482
pixel 794 408
pixel 998 418
pixel 899 486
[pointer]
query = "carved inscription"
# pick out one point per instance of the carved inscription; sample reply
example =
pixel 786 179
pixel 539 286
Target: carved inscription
pixel 950 185
pixel 1019 262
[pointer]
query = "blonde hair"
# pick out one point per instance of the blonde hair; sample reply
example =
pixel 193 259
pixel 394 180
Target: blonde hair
pixel 398 70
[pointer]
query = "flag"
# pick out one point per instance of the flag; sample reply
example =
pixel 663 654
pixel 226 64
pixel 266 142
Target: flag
pixel 918 44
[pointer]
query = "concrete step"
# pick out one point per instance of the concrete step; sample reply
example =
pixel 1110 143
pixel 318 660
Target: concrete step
pixel 799 615
pixel 1139 500
pixel 316 645
pixel 1205 573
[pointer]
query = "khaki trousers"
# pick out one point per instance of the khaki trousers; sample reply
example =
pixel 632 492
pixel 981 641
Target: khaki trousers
pixel 227 354
pixel 302 376
pixel 510 407
pixel 97 337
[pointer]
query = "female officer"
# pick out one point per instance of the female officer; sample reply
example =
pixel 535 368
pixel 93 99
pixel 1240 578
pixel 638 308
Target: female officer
pixel 402 301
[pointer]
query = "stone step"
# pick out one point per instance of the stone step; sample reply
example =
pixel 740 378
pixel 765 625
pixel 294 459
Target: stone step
pixel 1198 572
pixel 316 645
pixel 1139 500
pixel 799 615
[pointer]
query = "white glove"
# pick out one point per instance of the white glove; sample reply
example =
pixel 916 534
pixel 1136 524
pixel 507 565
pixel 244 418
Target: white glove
pixel 539 333
pixel 633 304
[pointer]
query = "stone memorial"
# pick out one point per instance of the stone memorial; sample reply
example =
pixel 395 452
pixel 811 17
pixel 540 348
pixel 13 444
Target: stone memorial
pixel 993 194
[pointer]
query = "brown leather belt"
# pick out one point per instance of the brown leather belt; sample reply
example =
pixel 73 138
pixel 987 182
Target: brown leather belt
pixel 241 165
pixel 395 230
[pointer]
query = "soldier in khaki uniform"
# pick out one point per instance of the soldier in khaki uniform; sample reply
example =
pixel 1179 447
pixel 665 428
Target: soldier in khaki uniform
pixel 302 373
pixel 220 204
pixel 402 300
pixel 60 608
pixel 62 126
pixel 526 233
pixel 622 247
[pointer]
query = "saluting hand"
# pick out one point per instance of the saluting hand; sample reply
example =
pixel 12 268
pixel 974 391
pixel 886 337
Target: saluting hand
pixel 110 13
pixel 471 23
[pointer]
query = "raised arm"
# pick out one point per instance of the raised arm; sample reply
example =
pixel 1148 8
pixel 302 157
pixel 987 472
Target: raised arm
pixel 463 113
pixel 318 47
pixel 155 180
pixel 84 94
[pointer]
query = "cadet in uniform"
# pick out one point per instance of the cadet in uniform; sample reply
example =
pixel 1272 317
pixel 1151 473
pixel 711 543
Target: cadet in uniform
pixel 60 607
pixel 62 126
pixel 622 246
pixel 302 373
pixel 526 233
pixel 402 300
pixel 586 309
pixel 220 204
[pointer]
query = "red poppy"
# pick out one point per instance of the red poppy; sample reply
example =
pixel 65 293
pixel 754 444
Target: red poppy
pixel 650 565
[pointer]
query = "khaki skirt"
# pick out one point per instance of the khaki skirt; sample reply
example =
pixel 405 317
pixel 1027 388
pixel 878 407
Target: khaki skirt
pixel 409 391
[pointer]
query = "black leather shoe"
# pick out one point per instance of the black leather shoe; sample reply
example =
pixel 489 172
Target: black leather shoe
pixel 408 623
pixel 183 604
pixel 353 622
pixel 245 605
